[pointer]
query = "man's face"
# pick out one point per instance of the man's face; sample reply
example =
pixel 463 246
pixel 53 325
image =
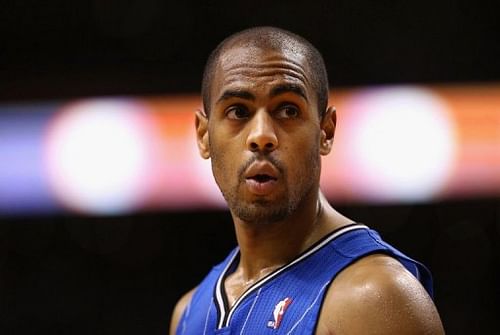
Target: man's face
pixel 264 133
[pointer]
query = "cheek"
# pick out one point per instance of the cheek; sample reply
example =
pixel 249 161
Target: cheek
pixel 219 169
pixel 304 157
pixel 223 163
pixel 301 145
pixel 225 146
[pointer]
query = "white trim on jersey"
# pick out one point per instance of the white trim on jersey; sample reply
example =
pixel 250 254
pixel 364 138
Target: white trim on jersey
pixel 223 320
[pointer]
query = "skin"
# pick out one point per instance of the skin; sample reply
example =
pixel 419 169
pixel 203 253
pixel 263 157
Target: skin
pixel 263 109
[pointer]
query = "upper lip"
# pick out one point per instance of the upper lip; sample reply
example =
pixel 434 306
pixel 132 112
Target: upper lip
pixel 263 168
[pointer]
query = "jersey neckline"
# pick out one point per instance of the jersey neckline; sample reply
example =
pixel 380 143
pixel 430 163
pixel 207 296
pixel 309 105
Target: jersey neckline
pixel 225 312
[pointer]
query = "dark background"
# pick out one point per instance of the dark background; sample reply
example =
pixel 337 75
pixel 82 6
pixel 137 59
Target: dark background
pixel 70 274
pixel 60 48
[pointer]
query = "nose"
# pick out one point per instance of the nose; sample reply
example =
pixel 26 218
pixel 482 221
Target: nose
pixel 262 135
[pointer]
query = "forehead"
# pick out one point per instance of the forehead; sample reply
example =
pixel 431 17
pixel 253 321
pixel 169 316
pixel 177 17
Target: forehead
pixel 256 67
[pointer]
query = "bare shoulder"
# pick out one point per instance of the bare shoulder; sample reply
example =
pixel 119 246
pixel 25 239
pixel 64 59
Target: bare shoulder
pixel 377 295
pixel 179 309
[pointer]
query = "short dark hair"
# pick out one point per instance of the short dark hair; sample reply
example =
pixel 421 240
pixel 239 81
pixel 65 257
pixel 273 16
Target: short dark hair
pixel 270 38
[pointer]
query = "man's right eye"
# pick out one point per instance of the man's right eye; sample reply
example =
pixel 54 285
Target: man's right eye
pixel 237 112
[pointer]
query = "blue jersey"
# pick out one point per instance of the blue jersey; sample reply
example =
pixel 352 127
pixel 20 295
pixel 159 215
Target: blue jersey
pixel 288 300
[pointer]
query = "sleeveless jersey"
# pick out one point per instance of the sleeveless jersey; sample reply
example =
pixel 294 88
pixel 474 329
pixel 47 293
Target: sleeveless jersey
pixel 288 300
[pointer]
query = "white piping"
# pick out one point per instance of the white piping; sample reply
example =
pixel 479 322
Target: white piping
pixel 219 288
pixel 308 309
pixel 261 282
pixel 250 311
pixel 206 318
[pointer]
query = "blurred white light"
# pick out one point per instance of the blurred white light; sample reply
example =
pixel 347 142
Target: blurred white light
pixel 403 144
pixel 97 152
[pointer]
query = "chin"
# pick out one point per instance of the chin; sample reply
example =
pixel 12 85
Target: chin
pixel 262 212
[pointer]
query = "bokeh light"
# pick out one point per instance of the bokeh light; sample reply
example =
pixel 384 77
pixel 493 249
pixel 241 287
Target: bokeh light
pixel 98 156
pixel 401 144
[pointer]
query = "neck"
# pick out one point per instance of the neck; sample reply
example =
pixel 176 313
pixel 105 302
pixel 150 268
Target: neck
pixel 265 247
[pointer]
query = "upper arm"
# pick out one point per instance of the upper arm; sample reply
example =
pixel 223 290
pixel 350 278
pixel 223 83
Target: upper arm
pixel 377 295
pixel 179 309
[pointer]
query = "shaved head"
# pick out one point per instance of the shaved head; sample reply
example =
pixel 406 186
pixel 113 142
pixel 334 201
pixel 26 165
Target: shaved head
pixel 270 39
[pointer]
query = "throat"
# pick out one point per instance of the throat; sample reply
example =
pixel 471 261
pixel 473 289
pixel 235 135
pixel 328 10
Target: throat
pixel 264 249
pixel 237 283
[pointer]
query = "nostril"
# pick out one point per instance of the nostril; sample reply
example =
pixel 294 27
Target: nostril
pixel 266 146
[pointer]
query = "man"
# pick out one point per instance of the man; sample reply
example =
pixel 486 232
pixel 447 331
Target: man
pixel 300 266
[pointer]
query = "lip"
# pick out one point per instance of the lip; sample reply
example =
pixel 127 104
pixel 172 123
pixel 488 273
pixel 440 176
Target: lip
pixel 262 168
pixel 256 186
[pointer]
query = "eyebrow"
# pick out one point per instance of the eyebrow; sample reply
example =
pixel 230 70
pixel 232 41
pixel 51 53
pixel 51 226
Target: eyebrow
pixel 242 94
pixel 286 88
pixel 277 90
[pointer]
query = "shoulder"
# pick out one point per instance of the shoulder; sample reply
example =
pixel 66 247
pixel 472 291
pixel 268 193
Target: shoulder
pixel 179 309
pixel 377 295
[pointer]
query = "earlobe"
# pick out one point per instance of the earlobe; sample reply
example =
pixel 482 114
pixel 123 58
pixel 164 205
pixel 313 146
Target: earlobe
pixel 328 124
pixel 201 124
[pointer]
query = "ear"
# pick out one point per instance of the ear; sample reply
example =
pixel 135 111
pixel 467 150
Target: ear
pixel 328 124
pixel 201 124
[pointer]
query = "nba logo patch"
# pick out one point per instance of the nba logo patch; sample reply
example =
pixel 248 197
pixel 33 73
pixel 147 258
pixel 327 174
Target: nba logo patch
pixel 278 313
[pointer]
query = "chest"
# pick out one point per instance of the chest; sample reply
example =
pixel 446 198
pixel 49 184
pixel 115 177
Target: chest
pixel 275 309
pixel 287 301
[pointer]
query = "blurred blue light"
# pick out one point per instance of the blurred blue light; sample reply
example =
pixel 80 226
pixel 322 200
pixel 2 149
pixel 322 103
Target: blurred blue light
pixel 24 189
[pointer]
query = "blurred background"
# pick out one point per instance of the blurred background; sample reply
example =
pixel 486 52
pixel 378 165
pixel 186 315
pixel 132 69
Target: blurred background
pixel 108 215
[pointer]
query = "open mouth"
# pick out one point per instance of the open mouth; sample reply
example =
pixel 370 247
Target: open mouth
pixel 262 178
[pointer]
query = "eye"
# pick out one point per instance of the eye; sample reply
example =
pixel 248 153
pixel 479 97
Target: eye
pixel 237 112
pixel 287 111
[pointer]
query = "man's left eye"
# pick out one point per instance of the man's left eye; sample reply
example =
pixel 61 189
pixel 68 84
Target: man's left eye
pixel 287 112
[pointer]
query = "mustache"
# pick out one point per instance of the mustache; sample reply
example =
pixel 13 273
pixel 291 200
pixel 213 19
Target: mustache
pixel 275 162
